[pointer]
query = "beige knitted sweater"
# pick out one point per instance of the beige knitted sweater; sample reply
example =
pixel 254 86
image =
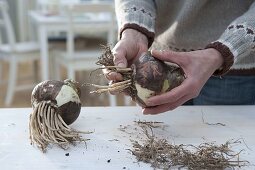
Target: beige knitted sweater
pixel 186 25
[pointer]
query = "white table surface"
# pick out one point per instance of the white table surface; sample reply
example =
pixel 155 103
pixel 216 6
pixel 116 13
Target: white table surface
pixel 108 142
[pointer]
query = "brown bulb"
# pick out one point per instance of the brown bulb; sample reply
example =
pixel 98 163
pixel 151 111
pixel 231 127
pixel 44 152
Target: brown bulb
pixel 64 96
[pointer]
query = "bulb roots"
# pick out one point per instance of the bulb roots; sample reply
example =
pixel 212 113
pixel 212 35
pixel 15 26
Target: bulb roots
pixel 47 127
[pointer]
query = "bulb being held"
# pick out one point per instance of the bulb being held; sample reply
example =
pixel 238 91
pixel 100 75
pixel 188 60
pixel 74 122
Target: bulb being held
pixel 147 77
pixel 153 77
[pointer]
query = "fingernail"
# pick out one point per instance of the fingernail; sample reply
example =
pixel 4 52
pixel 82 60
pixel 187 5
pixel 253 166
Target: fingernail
pixel 157 52
pixel 153 51
pixel 144 112
pixel 148 103
pixel 121 65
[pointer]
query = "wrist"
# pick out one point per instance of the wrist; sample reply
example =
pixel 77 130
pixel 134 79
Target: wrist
pixel 135 35
pixel 226 55
pixel 217 58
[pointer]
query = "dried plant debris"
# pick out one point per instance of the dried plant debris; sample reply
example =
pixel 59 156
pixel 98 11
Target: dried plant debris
pixel 133 130
pixel 153 124
pixel 164 155
pixel 218 123
pixel 106 61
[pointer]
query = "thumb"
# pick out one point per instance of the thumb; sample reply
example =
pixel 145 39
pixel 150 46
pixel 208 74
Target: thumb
pixel 167 55
pixel 120 58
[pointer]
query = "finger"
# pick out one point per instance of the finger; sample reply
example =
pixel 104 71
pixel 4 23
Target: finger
pixel 167 55
pixel 110 75
pixel 119 57
pixel 171 96
pixel 114 92
pixel 165 107
pixel 114 76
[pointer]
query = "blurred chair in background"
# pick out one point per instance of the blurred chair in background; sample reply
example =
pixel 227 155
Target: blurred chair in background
pixel 94 18
pixel 14 53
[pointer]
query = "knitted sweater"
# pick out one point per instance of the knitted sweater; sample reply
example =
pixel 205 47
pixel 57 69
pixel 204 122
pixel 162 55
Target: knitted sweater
pixel 187 25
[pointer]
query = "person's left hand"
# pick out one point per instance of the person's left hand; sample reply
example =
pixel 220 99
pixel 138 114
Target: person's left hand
pixel 198 67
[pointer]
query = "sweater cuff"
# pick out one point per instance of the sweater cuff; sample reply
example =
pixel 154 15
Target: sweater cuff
pixel 150 35
pixel 138 15
pixel 237 41
pixel 227 55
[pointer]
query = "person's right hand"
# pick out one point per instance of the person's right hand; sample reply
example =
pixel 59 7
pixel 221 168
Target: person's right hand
pixel 132 44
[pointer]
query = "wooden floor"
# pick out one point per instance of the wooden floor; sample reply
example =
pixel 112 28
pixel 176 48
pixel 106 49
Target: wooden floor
pixel 22 98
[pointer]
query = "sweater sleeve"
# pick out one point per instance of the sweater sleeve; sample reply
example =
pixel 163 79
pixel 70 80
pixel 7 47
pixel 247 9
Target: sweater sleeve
pixel 138 15
pixel 237 41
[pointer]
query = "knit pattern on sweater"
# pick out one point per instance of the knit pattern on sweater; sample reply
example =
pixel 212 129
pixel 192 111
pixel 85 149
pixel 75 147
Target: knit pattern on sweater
pixel 228 26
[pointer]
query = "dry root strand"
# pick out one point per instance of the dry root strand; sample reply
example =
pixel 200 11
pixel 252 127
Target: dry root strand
pixel 47 127
pixel 161 154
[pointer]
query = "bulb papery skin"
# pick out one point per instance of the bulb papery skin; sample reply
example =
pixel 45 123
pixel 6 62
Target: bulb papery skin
pixel 153 77
pixel 142 93
pixel 67 94
pixel 46 91
pixel 64 96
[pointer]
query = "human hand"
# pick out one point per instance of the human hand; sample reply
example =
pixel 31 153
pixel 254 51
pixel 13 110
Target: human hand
pixel 132 44
pixel 198 67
